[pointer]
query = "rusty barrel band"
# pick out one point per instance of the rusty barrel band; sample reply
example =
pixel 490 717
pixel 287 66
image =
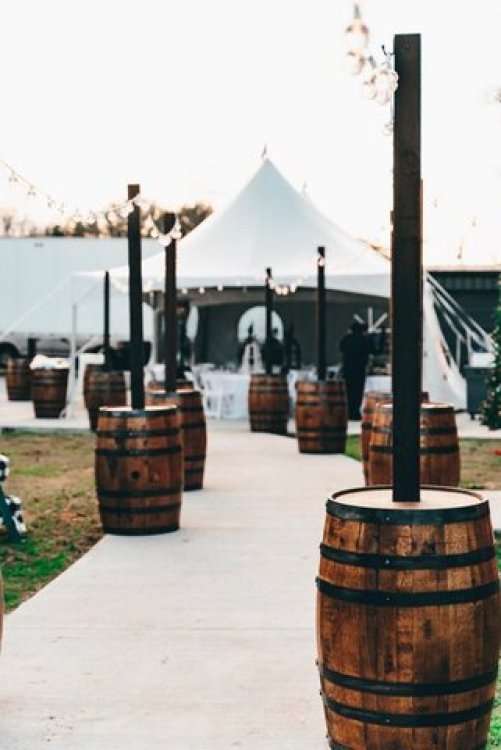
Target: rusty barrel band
pixel 194 458
pixel 140 413
pixel 140 510
pixel 337 746
pixel 422 431
pixel 415 562
pixel 408 689
pixel 124 434
pixel 140 452
pixel 408 599
pixel 428 451
pixel 141 532
pixel 154 492
pixel 400 517
pixel 192 425
pixel 409 720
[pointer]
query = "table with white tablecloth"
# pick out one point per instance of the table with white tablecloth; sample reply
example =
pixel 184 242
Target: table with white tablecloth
pixel 226 393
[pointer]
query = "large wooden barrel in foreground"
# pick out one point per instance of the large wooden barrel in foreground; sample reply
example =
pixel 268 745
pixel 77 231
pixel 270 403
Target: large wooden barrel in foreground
pixel 139 469
pixel 18 379
pixel 48 392
pixel 102 388
pixel 193 429
pixel 371 401
pixel 408 621
pixel 439 446
pixel 268 403
pixel 321 416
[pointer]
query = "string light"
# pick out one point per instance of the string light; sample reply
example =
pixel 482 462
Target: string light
pixel 380 80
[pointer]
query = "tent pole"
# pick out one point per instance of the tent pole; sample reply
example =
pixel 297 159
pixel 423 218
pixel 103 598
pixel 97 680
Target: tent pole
pixel 170 305
pixel 106 332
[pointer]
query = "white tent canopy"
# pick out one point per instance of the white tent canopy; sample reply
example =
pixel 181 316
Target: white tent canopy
pixel 269 223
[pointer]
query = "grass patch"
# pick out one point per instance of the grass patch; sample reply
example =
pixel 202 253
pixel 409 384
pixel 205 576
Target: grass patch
pixel 54 477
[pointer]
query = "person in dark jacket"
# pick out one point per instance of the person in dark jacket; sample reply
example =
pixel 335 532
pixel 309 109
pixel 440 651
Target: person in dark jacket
pixel 355 347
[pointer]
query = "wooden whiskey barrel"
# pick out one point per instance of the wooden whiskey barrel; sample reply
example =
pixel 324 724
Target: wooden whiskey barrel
pixel 139 469
pixel 268 403
pixel 439 446
pixel 193 429
pixel 102 388
pixel 18 379
pixel 371 400
pixel 48 392
pixel 321 416
pixel 408 621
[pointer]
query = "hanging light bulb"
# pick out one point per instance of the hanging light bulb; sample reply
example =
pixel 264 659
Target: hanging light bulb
pixel 369 84
pixel 13 177
pixel 31 192
pixel 357 33
pixel 50 203
pixel 354 62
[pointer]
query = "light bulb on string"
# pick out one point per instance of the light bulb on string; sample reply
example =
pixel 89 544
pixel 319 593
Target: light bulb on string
pixel 357 33
pixel 354 62
pixel 31 191
pixel 13 177
pixel 369 84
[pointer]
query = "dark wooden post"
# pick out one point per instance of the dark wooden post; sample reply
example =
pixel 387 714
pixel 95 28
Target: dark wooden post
pixel 106 332
pixel 268 297
pixel 407 269
pixel 321 358
pixel 170 300
pixel 135 303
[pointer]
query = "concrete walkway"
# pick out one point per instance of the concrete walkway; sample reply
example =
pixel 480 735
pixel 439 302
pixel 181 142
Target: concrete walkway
pixel 199 640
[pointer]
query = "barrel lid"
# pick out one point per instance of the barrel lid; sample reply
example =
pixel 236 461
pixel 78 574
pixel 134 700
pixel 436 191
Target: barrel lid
pixel 438 505
pixel 128 411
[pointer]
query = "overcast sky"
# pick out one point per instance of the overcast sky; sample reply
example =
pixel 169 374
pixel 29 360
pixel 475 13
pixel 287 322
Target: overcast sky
pixel 182 95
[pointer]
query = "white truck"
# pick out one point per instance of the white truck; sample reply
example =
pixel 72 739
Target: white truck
pixel 39 295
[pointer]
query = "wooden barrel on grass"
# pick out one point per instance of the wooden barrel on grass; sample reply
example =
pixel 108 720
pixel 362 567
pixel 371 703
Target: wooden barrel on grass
pixel 193 429
pixel 18 379
pixel 321 416
pixel 408 621
pixel 139 469
pixel 371 400
pixel 102 388
pixel 268 403
pixel 48 391
pixel 439 446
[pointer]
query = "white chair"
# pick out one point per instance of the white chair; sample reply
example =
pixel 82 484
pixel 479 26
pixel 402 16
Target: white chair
pixel 212 395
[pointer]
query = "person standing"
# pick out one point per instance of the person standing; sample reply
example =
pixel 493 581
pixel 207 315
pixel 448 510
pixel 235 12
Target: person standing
pixel 355 347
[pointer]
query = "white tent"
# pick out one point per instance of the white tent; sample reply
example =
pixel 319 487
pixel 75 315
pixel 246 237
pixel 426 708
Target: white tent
pixel 269 223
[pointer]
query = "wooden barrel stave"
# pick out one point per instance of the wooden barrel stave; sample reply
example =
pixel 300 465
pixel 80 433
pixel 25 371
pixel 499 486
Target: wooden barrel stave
pixel 48 391
pixel 139 470
pixel 321 417
pixel 439 446
pixel 371 401
pixel 268 403
pixel 18 379
pixel 407 623
pixel 193 429
pixel 102 388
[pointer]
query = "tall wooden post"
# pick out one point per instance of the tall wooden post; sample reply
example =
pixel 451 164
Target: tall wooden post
pixel 135 302
pixel 106 332
pixel 407 269
pixel 170 303
pixel 321 358
pixel 268 296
